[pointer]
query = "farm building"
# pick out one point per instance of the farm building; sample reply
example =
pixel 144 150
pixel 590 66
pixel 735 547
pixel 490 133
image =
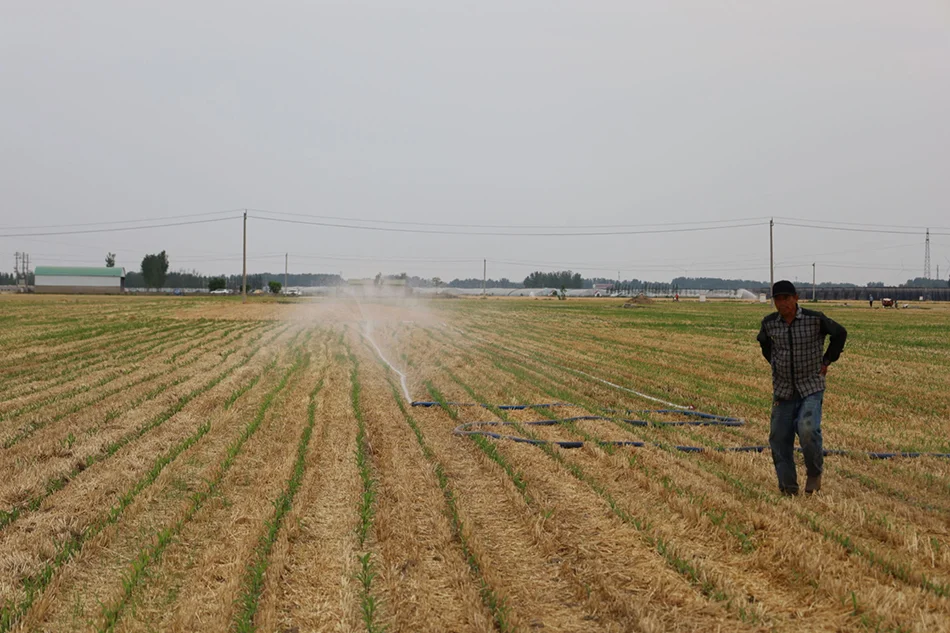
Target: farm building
pixel 79 280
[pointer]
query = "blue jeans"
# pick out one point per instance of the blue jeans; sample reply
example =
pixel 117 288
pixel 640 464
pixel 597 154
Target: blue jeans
pixel 800 416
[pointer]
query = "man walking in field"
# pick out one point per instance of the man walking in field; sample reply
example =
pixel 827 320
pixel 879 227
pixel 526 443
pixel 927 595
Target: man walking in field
pixel 793 341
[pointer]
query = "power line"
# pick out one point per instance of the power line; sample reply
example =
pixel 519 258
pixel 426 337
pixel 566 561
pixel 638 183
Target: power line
pixel 496 234
pixel 502 226
pixel 892 226
pixel 162 219
pixel 854 229
pixel 566 230
pixel 429 260
pixel 112 230
pixel 864 267
pixel 712 264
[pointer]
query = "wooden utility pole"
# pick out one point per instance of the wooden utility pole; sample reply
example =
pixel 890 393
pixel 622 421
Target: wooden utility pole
pixel 813 298
pixel 244 268
pixel 285 270
pixel 771 256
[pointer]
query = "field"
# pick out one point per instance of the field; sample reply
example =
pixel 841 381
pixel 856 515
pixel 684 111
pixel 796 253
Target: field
pixel 195 464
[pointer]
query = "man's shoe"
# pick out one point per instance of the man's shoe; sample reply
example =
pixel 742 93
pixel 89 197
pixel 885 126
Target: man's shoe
pixel 813 484
pixel 789 492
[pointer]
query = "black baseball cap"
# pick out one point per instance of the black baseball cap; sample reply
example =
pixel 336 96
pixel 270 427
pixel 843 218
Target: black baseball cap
pixel 784 287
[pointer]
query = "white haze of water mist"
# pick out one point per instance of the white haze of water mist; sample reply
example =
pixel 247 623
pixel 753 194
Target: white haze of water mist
pixel 495 112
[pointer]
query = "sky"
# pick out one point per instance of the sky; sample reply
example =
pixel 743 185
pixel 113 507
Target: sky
pixel 412 115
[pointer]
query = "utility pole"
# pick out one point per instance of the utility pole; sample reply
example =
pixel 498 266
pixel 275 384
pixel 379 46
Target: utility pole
pixel 813 299
pixel 771 256
pixel 244 267
pixel 21 271
pixel 484 276
pixel 927 256
pixel 285 270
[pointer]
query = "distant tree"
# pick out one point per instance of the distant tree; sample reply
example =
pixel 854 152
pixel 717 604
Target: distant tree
pixel 876 284
pixel 923 282
pixel 154 269
pixel 717 283
pixel 436 281
pixel 378 280
pixel 565 278
pixel 274 287
pixel 255 282
pixel 110 260
pixel 477 283
pixel 217 283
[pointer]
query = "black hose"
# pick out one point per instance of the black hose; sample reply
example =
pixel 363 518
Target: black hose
pixel 703 419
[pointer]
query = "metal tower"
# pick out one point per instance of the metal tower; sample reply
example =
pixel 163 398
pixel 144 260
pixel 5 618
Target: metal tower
pixel 927 256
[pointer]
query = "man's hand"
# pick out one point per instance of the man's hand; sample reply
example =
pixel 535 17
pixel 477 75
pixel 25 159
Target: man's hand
pixel 824 369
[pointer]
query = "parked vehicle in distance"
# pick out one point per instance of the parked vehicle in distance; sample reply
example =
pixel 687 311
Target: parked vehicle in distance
pixel 220 291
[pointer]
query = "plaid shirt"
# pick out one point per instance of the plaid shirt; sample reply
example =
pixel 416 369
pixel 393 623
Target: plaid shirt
pixel 795 351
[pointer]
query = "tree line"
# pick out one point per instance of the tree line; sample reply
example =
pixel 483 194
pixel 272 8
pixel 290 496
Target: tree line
pixel 9 279
pixel 559 279
pixel 154 273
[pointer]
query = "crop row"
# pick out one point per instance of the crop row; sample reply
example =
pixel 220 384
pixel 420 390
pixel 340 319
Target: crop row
pixel 33 585
pixel 151 350
pixel 56 483
pixel 875 559
pixel 56 371
pixel 28 429
pixel 150 554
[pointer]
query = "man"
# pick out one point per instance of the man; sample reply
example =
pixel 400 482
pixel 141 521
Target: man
pixel 793 341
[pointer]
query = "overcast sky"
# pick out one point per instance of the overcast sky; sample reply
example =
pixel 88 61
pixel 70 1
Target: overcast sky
pixel 495 112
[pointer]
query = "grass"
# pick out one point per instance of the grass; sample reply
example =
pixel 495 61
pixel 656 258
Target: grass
pixel 870 552
pixel 34 584
pixel 254 577
pixel 641 524
pixel 495 604
pixel 369 603
pixel 560 392
pixel 58 482
pixel 163 538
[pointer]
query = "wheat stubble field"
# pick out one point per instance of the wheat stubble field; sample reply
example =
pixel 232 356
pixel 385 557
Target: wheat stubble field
pixel 195 464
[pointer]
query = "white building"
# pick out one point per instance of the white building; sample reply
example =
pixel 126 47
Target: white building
pixel 78 280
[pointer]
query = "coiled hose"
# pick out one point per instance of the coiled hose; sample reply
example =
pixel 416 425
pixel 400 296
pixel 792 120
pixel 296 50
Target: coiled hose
pixel 698 418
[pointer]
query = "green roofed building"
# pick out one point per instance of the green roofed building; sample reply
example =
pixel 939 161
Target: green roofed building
pixel 78 280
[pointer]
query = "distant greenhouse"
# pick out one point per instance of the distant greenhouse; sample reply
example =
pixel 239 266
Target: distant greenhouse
pixel 79 280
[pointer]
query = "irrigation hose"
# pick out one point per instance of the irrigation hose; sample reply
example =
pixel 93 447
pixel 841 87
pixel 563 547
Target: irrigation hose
pixel 503 407
pixel 701 419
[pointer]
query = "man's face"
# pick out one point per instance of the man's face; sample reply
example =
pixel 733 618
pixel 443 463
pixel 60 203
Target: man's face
pixel 786 305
